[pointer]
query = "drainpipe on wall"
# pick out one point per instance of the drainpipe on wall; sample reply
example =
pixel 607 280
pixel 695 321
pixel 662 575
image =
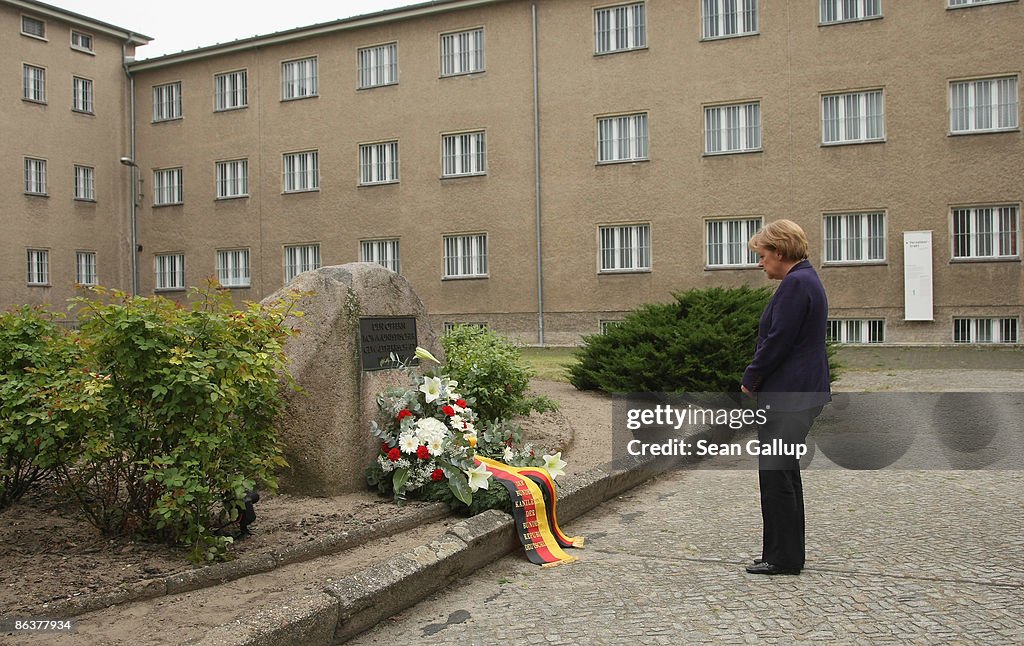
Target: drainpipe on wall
pixel 536 174
pixel 133 192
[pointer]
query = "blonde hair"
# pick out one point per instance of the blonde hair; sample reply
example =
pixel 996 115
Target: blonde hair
pixel 783 236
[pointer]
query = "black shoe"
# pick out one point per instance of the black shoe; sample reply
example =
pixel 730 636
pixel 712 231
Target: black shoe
pixel 767 568
pixel 758 560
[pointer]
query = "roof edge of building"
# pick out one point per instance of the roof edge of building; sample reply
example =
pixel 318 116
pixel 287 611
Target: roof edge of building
pixel 51 11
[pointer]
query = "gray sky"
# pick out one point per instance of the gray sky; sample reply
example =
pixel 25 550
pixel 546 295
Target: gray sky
pixel 187 24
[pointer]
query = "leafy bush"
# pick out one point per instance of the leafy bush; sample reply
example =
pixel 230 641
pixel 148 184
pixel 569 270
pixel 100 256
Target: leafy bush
pixel 490 371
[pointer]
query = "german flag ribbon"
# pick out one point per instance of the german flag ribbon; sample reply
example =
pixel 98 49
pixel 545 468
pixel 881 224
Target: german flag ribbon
pixel 533 507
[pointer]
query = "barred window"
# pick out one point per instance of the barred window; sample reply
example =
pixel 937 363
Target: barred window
pixel 38 267
pixel 607 325
pixel 625 248
pixel 167 186
pixel 732 128
pixel 85 268
pixel 300 258
pixel 620 28
pixel 170 271
pixel 622 138
pixel 727 242
pixel 382 252
pixel 728 18
pixel 167 101
pixel 231 90
pixel 232 178
pixel 378 65
pixel 462 52
pixel 985 330
pixel 853 117
pixel 846 10
pixel 855 331
pixel 35 176
pixel 449 326
pixel 233 267
pixel 81 94
pixel 81 40
pixel 298 79
pixel 302 171
pixel 968 3
pixel 465 256
pixel 33 83
pixel 378 163
pixel 33 27
pixel 986 232
pixel 855 237
pixel 983 105
pixel 85 183
pixel 463 154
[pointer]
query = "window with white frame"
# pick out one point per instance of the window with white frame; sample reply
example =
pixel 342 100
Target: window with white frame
pixel 462 52
pixel 833 11
pixel 33 27
pixel 300 258
pixel 855 237
pixel 378 163
pixel 622 138
pixel 85 268
pixel 232 178
pixel 233 267
pixel 721 18
pixel 852 117
pixel 985 330
pixel 463 154
pixel 378 65
pixel 986 231
pixel 170 271
pixel 727 242
pixel 35 176
pixel 382 252
pixel 298 79
pixel 302 171
pixel 855 331
pixel 607 325
pixel 983 105
pixel 38 267
pixel 81 40
pixel 81 94
pixel 969 3
pixel 33 87
pixel 732 128
pixel 620 28
pixel 167 101
pixel 625 247
pixel 449 326
pixel 167 187
pixel 231 90
pixel 85 183
pixel 465 256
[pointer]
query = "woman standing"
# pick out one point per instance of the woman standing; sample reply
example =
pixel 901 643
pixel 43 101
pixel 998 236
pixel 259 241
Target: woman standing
pixel 789 376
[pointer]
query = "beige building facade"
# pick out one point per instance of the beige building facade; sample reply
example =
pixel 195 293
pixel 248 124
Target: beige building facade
pixel 545 167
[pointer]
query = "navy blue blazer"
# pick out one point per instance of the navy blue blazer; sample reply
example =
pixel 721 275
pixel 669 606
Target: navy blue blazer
pixel 790 357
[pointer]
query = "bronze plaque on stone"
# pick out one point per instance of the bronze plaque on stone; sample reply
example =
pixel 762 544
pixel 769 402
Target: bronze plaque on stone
pixel 379 337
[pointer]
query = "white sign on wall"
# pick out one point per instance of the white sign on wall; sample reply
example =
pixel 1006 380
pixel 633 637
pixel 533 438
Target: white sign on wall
pixel 917 276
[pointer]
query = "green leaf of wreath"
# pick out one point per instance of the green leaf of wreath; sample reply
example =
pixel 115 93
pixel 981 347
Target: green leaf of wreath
pixel 459 485
pixel 398 480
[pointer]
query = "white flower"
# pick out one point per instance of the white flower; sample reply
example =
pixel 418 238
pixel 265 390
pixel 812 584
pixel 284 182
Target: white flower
pixel 436 446
pixel 429 428
pixel 554 464
pixel 424 354
pixel 431 388
pixel 507 455
pixel 408 443
pixel 479 477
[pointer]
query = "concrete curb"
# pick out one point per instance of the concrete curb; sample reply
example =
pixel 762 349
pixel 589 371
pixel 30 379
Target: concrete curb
pixel 363 599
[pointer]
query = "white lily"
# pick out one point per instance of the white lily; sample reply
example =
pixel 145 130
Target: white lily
pixel 431 388
pixel 479 477
pixel 555 465
pixel 424 354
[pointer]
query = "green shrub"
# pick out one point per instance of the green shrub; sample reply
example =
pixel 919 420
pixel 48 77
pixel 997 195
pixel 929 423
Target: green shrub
pixel 491 373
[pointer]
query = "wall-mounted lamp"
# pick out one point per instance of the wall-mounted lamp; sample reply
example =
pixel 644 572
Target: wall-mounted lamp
pixel 128 161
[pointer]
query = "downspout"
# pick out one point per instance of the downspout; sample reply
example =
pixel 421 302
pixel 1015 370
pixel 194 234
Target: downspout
pixel 133 192
pixel 536 178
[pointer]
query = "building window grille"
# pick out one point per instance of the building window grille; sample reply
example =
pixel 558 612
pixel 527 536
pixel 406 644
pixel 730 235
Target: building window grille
pixel 855 331
pixel 833 11
pixel 231 90
pixel 378 65
pixel 855 237
pixel 85 268
pixel 985 330
pixel 382 252
pixel 170 271
pixel 984 105
pixel 462 52
pixel 722 18
pixel 298 79
pixel 620 28
pixel 167 101
pixel 727 242
pixel 35 176
pixel 853 117
pixel 302 171
pixel 300 258
pixel 986 232
pixel 732 128
pixel 625 248
pixel 38 267
pixel 167 186
pixel 465 256
pixel 463 154
pixel 622 138
pixel 33 83
pixel 378 163
pixel 233 267
pixel 85 183
pixel 232 178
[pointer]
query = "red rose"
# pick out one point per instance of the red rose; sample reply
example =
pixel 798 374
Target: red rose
pixel 384 448
pixel 402 414
pixel 422 452
pixel 394 454
pixel 447 410
pixel 461 403
pixel 437 475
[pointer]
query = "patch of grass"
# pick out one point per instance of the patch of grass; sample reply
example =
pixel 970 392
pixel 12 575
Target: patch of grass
pixel 550 364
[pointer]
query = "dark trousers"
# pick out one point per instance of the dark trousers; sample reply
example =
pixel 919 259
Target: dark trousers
pixel 782 493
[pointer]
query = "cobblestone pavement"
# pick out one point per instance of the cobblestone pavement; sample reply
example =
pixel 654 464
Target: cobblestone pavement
pixel 893 557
